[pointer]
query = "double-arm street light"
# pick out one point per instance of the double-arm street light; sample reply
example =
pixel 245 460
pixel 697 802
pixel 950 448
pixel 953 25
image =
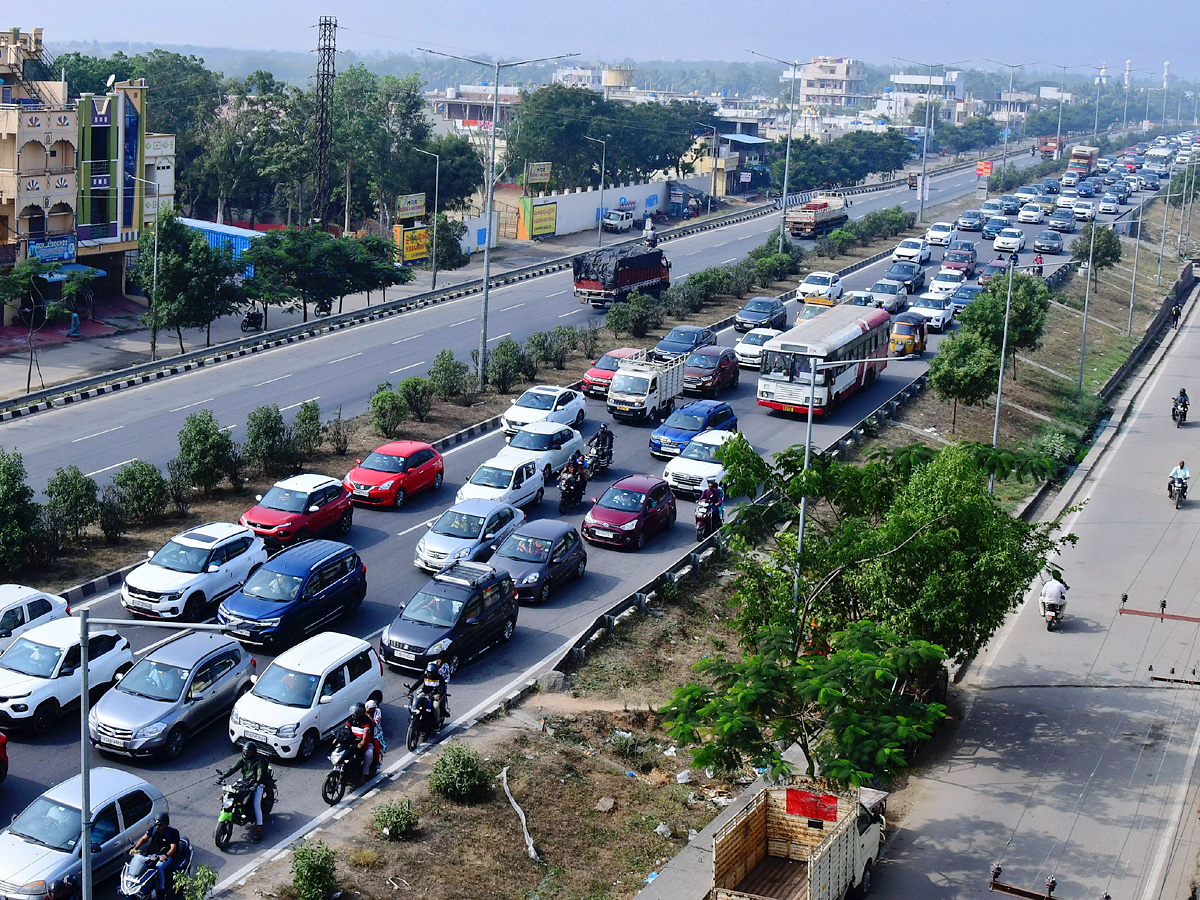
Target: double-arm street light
pixel 787 156
pixel 1012 68
pixel 600 216
pixel 928 111
pixel 491 188
pixel 437 179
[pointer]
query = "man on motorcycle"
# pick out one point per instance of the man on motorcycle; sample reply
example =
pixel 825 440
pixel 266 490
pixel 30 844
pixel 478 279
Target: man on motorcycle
pixel 649 235
pixel 1181 401
pixel 253 769
pixel 1182 473
pixel 162 841
pixel 1037 265
pixel 376 715
pixel 1054 591
pixel 602 440
pixel 434 682
pixel 714 496
pixel 363 728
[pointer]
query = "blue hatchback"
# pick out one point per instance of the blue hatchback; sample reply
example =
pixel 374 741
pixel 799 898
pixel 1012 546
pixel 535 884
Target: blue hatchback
pixel 1086 189
pixel 294 593
pixel 669 438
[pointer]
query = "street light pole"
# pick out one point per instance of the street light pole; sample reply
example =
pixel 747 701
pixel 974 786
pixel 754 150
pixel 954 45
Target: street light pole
pixel 1087 294
pixel 1012 70
pixel 925 142
pixel 85 754
pixel 787 156
pixel 600 216
pixel 437 180
pixel 714 164
pixel 1137 247
pixel 491 192
pixel 154 277
pixel 1000 384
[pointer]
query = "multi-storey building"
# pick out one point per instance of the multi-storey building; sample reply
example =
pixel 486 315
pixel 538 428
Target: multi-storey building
pixel 830 81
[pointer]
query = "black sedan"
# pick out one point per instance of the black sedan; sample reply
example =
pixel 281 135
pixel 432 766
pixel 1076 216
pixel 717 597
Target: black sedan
pixel 540 556
pixel 761 312
pixel 909 274
pixel 1048 242
pixel 682 340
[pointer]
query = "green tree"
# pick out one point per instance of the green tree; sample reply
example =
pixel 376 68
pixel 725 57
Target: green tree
pixel 965 369
pixel 204 450
pixel 460 172
pixel 145 490
pixel 19 513
pixel 74 498
pixel 89 74
pixel 418 396
pixel 1105 254
pixel 450 254
pixel 23 288
pixel 388 412
pixel 1026 321
pixel 269 443
pixel 447 376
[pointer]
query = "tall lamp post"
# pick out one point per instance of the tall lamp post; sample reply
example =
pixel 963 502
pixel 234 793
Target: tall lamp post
pixel 600 216
pixel 437 180
pixel 1012 69
pixel 1087 296
pixel 787 156
pixel 491 189
pixel 1000 384
pixel 713 128
pixel 154 277
pixel 928 109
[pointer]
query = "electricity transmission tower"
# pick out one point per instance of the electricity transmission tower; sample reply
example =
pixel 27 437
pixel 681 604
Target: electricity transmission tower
pixel 323 130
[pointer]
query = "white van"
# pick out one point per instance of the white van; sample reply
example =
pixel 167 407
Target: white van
pixel 305 695
pixel 618 220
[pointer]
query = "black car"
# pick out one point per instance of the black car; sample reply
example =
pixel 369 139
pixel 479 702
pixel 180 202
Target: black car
pixel 910 274
pixel 994 226
pixel 1011 204
pixel 1051 185
pixel 460 612
pixel 761 312
pixel 971 220
pixel 1048 242
pixel 1062 220
pixel 682 340
pixel 541 555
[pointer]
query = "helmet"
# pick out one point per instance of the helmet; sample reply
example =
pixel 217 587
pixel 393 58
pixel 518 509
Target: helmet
pixel 357 709
pixel 162 820
pixel 604 426
pixel 249 750
pixel 371 704
pixel 431 667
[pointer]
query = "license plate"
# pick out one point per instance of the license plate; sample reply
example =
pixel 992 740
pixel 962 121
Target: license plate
pixel 240 632
pixel 403 655
pixel 790 409
pixel 141 604
pixel 599 532
pixel 358 493
pixel 111 741
pixel 254 736
pixel 623 408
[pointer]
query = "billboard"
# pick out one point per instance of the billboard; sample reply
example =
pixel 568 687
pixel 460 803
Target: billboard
pixel 983 169
pixel 545 219
pixel 539 173
pixel 416 244
pixel 410 206
pixel 58 248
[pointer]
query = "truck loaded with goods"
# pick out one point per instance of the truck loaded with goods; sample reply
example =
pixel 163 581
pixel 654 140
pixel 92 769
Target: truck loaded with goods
pixel 826 211
pixel 611 274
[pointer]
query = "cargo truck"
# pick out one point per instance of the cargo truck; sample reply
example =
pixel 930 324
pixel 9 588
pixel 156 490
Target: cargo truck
pixel 1048 145
pixel 823 213
pixel 646 389
pixel 799 842
pixel 1083 160
pixel 610 275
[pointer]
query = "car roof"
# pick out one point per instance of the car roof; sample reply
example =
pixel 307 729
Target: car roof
pixel 106 784
pixel 621 352
pixel 715 437
pixel 298 559
pixel 688 329
pixel 477 507
pixel 544 528
pixel 59 632
pixel 543 427
pixel 545 389
pixel 402 448
pixel 888 281
pixel 822 272
pixel 767 331
pixel 313 656
pixel 210 533
pixel 10 593
pixel 190 647
pixel 306 482
pixel 639 483
pixel 942 225
pixel 706 406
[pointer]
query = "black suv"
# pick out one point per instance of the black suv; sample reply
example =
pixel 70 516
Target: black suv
pixel 459 613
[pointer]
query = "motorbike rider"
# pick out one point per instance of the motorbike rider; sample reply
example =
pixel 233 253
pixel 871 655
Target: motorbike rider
pixel 602 440
pixel 648 233
pixel 1181 472
pixel 162 841
pixel 363 728
pixel 1181 400
pixel 1037 265
pixel 434 681
pixel 376 715
pixel 253 770
pixel 714 495
pixel 1054 591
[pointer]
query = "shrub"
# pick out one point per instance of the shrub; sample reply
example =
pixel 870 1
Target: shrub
pixel 742 278
pixel 589 340
pixel 204 449
pixel 625 745
pixel 196 886
pixel 418 394
pixel 19 513
pixel 113 513
pixel 365 858
pixel 504 365
pixel 270 444
pixel 306 428
pixel 236 463
pixel 539 344
pixel 459 774
pixel 179 485
pixel 827 247
pixel 338 432
pixel 764 270
pixel 707 283
pixel 395 820
pixel 145 488
pixel 75 498
pixel 637 316
pixel 388 412
pixel 314 871
pixel 381 388
pixel 47 538
pixel 843 238
pixel 447 376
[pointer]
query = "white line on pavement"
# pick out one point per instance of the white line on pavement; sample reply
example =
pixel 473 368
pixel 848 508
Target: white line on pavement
pixel 406 368
pixel 499 336
pixel 343 358
pixel 425 524
pixel 516 306
pixel 728 261
pixel 97 434
pixel 301 403
pixel 556 293
pixel 113 466
pixel 92 601
pixel 571 313
pixel 190 405
pixel 407 339
pixel 482 437
pixel 273 380
pixel 722 244
pixel 463 322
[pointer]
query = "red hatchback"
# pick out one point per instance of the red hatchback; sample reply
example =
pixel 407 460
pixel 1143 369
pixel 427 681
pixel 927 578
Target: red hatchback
pixel 597 379
pixel 300 507
pixel 634 508
pixel 394 472
pixel 711 369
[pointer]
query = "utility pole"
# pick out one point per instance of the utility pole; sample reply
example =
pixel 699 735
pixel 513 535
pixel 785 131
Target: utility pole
pixel 923 187
pixel 437 180
pixel 1137 247
pixel 787 156
pixel 1012 69
pixel 323 128
pixel 1087 296
pixel 600 217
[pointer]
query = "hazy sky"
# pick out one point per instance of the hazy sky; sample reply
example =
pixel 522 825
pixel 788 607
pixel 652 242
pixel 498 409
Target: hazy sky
pixel 1100 31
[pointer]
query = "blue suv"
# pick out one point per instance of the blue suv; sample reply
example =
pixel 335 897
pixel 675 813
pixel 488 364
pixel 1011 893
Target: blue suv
pixel 294 593
pixel 669 438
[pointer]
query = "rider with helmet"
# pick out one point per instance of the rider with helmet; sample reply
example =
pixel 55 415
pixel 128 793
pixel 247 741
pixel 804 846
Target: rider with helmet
pixel 714 495
pixel 602 440
pixel 434 681
pixel 255 773
pixel 162 841
pixel 363 728
pixel 1181 403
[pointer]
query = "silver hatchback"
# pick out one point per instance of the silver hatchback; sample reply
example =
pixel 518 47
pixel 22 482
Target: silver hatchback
pixel 172 693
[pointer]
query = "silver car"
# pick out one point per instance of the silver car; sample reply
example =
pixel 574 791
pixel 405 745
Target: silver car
pixel 40 847
pixel 469 530
pixel 172 693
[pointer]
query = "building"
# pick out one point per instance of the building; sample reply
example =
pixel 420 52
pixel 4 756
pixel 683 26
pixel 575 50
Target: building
pixel 830 81
pixel 1053 95
pixel 605 80
pixel 948 86
pixel 469 106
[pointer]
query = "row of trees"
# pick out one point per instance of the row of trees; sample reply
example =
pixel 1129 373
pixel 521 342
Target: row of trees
pixel 847 160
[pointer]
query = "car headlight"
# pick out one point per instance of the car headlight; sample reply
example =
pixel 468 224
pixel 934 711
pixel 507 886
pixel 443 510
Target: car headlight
pixel 283 525
pixel 386 636
pixel 588 520
pixel 465 551
pixel 270 623
pixel 92 717
pixel 459 498
pixel 421 545
pixel 288 731
pixel 387 484
pixel 33 887
pixel 234 718
pixel 531 578
pixel 170 596
pixel 149 731
pixel 630 525
pixel 440 647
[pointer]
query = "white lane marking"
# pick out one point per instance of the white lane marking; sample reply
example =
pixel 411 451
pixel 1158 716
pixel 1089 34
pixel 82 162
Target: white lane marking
pixel 406 368
pixel 97 434
pixel 273 380
pixel 728 261
pixel 463 322
pixel 343 358
pixel 301 403
pixel 231 427
pixel 415 527
pixel 571 313
pixel 113 466
pixel 407 339
pixel 482 437
pixel 556 293
pixel 1167 845
pixel 518 305
pixel 722 244
pixel 92 601
pixel 190 405
pixel 500 336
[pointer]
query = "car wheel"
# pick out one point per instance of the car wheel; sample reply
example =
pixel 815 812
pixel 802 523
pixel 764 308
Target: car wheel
pixel 346 522
pixel 437 481
pixel 544 594
pixel 737 377
pixel 547 473
pixel 401 496
pixel 671 521
pixel 640 541
pixel 537 498
pixel 510 628
pixel 452 664
pixel 193 610
pixel 579 419
pixel 176 739
pixel 308 746
pixel 44 717
pixel 581 569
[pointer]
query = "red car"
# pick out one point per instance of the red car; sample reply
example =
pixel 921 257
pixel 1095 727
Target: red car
pixel 711 369
pixel 597 379
pixel 394 472
pixel 959 261
pixel 300 507
pixel 634 508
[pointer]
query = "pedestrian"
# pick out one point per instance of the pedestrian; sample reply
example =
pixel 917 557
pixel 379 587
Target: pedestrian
pixel 1176 312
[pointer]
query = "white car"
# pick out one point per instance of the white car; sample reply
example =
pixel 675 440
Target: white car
pixel 1110 203
pixel 545 403
pixel 826 285
pixel 937 310
pixel 891 295
pixel 22 608
pixel 1070 179
pixel 911 250
pixel 1084 210
pixel 39 671
pixel 991 209
pixel 941 234
pixel 547 444
pixel 689 472
pixel 193 572
pixel 1009 240
pixel 1031 214
pixel 1066 198
pixel 505 481
pixel 749 349
pixel 946 283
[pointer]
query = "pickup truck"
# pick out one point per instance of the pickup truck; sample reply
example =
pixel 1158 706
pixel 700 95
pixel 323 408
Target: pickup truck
pixel 646 389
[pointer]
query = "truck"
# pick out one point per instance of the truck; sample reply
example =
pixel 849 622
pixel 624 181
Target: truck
pixel 823 213
pixel 1083 160
pixel 799 841
pixel 646 389
pixel 611 274
pixel 1048 145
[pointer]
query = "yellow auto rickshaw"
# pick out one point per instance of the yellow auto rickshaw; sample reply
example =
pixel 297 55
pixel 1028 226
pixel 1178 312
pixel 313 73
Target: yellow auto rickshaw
pixel 909 334
pixel 912 181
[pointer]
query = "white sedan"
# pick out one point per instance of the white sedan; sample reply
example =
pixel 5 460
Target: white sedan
pixel 1084 210
pixel 941 233
pixel 946 283
pixel 545 403
pixel 911 250
pixel 826 285
pixel 1031 214
pixel 1110 203
pixel 749 349
pixel 547 444
pixel 1009 240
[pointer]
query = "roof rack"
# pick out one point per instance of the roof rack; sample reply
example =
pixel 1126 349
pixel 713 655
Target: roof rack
pixel 467 573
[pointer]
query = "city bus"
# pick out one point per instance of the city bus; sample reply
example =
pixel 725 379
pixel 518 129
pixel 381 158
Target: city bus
pixel 855 335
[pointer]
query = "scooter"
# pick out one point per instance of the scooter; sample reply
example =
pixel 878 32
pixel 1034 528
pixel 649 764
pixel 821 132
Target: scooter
pixel 424 718
pixel 252 320
pixel 1177 490
pixel 571 496
pixel 139 877
pixel 706 520
pixel 237 806
pixel 1054 612
pixel 347 763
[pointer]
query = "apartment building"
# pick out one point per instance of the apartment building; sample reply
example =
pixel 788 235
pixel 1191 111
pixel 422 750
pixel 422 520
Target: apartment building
pixel 830 81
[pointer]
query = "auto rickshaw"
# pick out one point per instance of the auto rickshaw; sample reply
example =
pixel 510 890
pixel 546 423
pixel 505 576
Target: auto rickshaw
pixel 909 334
pixel 912 181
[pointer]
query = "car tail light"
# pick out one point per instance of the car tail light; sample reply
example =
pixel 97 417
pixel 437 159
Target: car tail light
pixel 68 609
pixel 363 570
pixel 379 659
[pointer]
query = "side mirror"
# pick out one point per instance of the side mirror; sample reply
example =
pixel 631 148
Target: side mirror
pixel 191 697
pixel 490 535
pixel 96 848
pixel 254 679
pixel 150 553
pixel 314 508
pixel 213 569
pixel 6 633
pixel 512 402
pixel 67 670
pixel 258 497
pixel 326 698
pixel 359 461
pixel 118 676
pixel 474 620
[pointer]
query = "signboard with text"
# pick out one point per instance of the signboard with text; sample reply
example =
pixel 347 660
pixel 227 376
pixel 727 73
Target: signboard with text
pixel 539 173
pixel 545 220
pixel 410 206
pixel 416 244
pixel 984 168
pixel 59 248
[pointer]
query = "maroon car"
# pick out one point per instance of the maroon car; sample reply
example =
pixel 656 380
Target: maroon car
pixel 710 370
pixel 959 261
pixel 634 508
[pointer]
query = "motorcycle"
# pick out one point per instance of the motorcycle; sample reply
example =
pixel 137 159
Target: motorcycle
pixel 599 460
pixel 323 308
pixel 424 718
pixel 571 496
pixel 706 520
pixel 1178 413
pixel 1054 612
pixel 1177 490
pixel 347 763
pixel 651 240
pixel 237 806
pixel 252 320
pixel 139 876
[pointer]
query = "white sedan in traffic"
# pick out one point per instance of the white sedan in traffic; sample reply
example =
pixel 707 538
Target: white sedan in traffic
pixel 1031 214
pixel 749 349
pixel 1084 210
pixel 937 310
pixel 545 403
pixel 824 285
pixel 911 250
pixel 941 233
pixel 1009 240
pixel 946 283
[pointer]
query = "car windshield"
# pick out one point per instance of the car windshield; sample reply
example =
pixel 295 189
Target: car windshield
pixel 997 223
pixel 280 685
pixel 700 451
pixel 966 292
pixel 181 558
pixel 531 440
pixel 383 462
pixel 491 477
pixel 702 361
pixel 1010 233
pixel 1049 236
pixel 1031 208
pixel 49 823
pixel 430 609
pixel 903 329
pixel 755 340
pixel 940 228
pixel 911 245
pixel 948 277
pixel 958 257
pixel 822 280
pixel 607 363
pixel 993 269
pixel 929 303
pixel 458 524
pixel 811 311
pixel 624 383
pixel 1061 214
pixel 155 680
pixel 277 587
pixel 682 336
pixel 284 500
pixel 536 400
pixel 30 658
pixel 684 421
pixel 758 306
pixel 525 549
pixel 622 500
pixel 884 287
pixel 904 269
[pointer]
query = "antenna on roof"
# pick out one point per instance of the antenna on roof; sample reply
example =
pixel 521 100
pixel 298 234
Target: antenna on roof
pixel 111 81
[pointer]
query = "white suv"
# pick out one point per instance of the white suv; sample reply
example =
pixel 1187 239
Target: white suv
pixel 940 234
pixel 193 572
pixel 689 472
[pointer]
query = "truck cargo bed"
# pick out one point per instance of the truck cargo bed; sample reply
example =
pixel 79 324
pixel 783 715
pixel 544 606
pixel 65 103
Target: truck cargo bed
pixel 773 879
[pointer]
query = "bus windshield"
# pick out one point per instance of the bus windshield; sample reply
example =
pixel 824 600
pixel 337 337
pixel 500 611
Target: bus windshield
pixel 784 366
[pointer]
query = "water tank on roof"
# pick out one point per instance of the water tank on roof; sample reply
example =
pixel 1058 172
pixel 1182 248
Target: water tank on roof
pixel 451 94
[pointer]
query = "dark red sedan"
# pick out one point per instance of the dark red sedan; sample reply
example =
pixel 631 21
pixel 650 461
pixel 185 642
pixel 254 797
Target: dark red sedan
pixel 710 370
pixel 630 511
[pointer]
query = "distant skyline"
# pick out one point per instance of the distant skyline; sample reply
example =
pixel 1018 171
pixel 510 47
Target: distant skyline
pixel 874 30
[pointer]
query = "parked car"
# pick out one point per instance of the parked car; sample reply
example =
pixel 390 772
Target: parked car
pixel 761 312
pixel 682 340
pixel 300 507
pixel 1031 214
pixel 994 226
pixel 517 483
pixel 193 572
pixel 22 608
pixel 466 531
pixel 892 295
pixel 1048 242
pixel 304 695
pixel 823 285
pixel 936 308
pixel 940 234
pixel 172 693
pixel 748 350
pixel 597 379
pixel 1010 240
pixel 298 591
pixel 694 418
pixel 710 370
pixel 545 403
pixel 618 220
pixel 911 250
pixel 964 295
pixel 459 613
pixel 547 445
pixel 970 220
pixel 541 556
pixel 633 509
pixel 959 261
pixel 390 474
pixel 688 473
pixel 909 274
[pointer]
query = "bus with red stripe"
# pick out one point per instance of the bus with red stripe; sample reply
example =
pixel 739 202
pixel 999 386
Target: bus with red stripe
pixel 856 336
